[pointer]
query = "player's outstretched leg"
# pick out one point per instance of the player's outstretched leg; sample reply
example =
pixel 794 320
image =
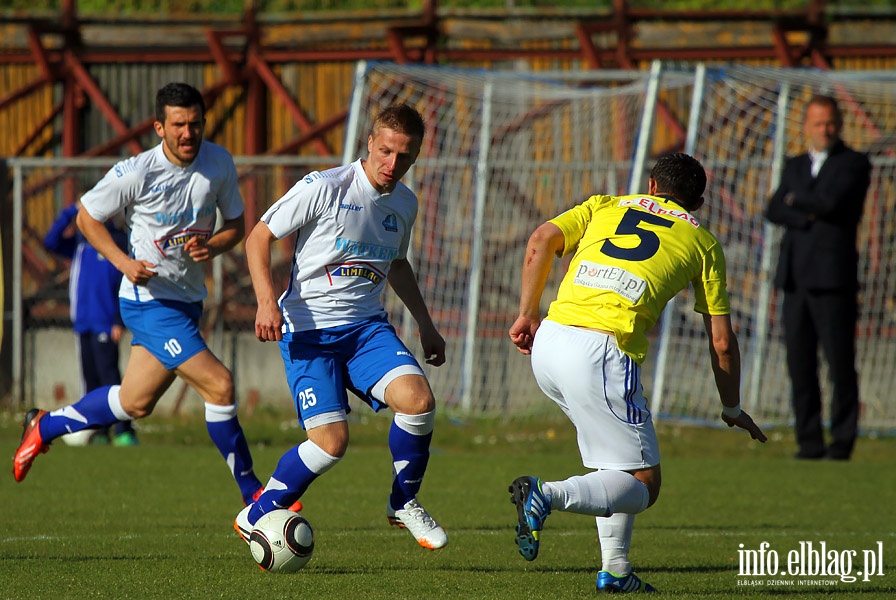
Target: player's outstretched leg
pixel 413 517
pixel 32 444
pixel 611 583
pixel 532 509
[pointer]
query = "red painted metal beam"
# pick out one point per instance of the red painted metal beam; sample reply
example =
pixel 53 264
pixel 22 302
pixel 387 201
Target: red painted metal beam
pixel 85 81
pixel 258 64
pixel 18 94
pixel 35 133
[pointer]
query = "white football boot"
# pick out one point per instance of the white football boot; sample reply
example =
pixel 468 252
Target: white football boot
pixel 241 524
pixel 417 521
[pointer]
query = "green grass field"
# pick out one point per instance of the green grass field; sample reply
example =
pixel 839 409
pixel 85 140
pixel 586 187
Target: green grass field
pixel 155 521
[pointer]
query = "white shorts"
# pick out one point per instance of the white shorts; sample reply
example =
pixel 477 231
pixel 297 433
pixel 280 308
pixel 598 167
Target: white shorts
pixel 599 389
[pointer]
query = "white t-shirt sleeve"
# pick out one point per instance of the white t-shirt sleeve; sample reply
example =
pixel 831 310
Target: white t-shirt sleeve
pixel 303 203
pixel 114 192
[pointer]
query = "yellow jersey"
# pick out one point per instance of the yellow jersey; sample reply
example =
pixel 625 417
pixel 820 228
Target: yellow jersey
pixel 632 255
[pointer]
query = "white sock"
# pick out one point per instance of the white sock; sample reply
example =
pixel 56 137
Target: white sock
pixel 599 493
pixel 615 533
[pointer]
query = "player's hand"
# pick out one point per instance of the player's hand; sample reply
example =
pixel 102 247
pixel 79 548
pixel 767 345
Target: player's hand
pixel 117 333
pixel 138 272
pixel 433 347
pixel 268 323
pixel 522 333
pixel 197 249
pixel 744 421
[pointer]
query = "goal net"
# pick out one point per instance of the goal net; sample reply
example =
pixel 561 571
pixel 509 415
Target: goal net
pixel 507 150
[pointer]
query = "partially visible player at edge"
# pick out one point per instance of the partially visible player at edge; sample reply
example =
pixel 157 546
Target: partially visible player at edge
pixel 171 195
pixel 632 255
pixel 353 226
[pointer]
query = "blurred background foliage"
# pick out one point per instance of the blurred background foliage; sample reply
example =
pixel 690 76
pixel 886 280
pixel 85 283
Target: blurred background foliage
pixel 162 8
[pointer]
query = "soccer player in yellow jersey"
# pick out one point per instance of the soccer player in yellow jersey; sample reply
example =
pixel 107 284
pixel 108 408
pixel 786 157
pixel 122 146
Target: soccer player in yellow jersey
pixel 632 254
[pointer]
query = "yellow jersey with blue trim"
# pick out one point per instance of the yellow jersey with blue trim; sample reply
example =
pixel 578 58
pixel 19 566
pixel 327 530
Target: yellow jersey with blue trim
pixel 632 254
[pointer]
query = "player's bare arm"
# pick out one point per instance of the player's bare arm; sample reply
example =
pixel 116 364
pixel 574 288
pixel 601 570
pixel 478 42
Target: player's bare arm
pixel 725 358
pixel 137 272
pixel 268 318
pixel 403 281
pixel 544 244
pixel 228 236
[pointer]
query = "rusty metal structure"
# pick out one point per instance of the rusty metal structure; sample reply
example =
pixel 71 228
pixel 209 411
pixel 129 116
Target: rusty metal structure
pixel 246 53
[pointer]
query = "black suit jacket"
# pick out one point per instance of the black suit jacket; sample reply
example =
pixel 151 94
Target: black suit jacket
pixel 821 216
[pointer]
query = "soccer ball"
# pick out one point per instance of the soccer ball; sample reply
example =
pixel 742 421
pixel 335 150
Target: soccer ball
pixel 80 438
pixel 282 541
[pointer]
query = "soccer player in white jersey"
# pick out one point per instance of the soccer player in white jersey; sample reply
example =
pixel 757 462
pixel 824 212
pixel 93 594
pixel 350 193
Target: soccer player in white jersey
pixel 353 226
pixel 632 254
pixel 170 195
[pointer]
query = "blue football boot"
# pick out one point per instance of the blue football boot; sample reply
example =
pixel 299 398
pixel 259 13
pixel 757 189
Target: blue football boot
pixel 611 583
pixel 532 509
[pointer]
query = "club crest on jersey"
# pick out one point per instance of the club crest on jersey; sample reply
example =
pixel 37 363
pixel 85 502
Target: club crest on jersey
pixel 180 238
pixel 390 223
pixel 355 270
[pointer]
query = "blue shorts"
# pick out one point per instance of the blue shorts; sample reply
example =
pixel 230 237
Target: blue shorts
pixel 323 363
pixel 167 328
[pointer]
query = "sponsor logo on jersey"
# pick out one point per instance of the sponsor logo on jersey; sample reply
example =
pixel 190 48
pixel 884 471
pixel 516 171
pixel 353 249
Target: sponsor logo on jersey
pixel 355 270
pixel 352 207
pixel 180 238
pixel 613 279
pixel 310 177
pixel 366 250
pixel 184 216
pixel 162 187
pixel 652 206
pixel 390 223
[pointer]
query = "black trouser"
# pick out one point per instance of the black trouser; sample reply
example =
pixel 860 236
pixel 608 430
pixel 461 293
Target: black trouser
pixel 99 367
pixel 827 318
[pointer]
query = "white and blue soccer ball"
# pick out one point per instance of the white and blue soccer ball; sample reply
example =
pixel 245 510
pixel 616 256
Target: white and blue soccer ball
pixel 282 541
pixel 84 437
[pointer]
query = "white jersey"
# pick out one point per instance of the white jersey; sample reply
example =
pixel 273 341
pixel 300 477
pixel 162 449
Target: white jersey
pixel 348 236
pixel 165 205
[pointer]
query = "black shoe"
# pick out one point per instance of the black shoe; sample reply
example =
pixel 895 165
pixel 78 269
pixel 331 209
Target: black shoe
pixel 836 456
pixel 803 455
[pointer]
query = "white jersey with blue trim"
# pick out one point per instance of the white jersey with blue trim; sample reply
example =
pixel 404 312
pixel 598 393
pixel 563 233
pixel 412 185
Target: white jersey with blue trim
pixel 348 234
pixel 165 205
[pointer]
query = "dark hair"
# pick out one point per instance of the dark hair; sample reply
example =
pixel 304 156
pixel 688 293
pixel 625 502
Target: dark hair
pixel 182 95
pixel 680 176
pixel 828 101
pixel 400 118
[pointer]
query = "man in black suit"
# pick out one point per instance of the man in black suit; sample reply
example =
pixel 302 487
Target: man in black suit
pixel 819 202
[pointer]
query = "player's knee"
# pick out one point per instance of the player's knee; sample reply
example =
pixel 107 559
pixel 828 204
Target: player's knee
pixel 652 479
pixel 335 447
pixel 136 407
pixel 653 495
pixel 413 400
pixel 220 390
pixel 332 438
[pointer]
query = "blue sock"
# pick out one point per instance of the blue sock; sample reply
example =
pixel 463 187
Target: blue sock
pixel 294 473
pixel 90 411
pixel 225 431
pixel 409 439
